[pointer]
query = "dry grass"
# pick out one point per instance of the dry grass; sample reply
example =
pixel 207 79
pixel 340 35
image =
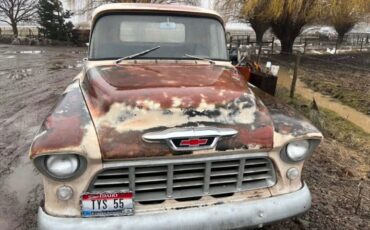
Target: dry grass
pixel 332 125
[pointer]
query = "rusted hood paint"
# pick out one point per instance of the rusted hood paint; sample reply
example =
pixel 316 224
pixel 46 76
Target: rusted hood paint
pixel 126 101
pixel 68 127
pixel 288 123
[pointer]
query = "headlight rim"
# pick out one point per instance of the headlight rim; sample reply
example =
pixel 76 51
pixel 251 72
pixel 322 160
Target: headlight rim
pixel 312 144
pixel 40 164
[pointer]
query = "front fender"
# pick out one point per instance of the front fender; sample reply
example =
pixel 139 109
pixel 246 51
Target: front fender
pixel 288 123
pixel 68 128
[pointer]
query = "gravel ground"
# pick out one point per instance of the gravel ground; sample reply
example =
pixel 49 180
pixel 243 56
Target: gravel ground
pixel 31 78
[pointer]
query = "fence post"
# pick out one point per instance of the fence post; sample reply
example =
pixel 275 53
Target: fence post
pixel 305 45
pixel 362 41
pixel 336 46
pixel 272 45
pixel 295 75
pixel 259 53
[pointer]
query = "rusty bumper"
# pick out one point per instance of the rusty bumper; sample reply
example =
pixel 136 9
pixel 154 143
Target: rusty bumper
pixel 254 213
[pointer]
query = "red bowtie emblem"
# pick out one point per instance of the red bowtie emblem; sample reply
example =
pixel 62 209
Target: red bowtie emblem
pixel 193 142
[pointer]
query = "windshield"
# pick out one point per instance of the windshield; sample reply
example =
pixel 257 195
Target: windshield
pixel 117 36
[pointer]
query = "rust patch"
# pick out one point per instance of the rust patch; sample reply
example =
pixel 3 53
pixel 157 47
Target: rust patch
pixel 64 126
pixel 286 120
pixel 127 101
pixel 161 84
pixel 128 145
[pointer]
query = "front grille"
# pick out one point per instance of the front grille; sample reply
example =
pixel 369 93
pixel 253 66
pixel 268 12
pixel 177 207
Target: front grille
pixel 182 179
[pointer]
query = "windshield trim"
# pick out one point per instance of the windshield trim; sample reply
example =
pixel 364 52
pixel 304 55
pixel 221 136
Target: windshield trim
pixel 182 14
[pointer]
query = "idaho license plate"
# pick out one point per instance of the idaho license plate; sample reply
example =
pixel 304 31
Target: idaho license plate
pixel 107 204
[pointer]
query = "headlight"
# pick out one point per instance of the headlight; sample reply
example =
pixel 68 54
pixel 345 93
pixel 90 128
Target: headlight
pixel 61 166
pixel 296 151
pixel 299 150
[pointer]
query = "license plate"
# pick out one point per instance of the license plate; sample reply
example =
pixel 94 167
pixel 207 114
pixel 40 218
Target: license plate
pixel 107 204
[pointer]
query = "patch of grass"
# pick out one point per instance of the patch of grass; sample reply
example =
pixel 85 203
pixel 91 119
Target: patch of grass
pixel 330 123
pixel 353 98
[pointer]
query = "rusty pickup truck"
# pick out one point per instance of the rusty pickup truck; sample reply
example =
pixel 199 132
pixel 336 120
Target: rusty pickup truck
pixel 160 131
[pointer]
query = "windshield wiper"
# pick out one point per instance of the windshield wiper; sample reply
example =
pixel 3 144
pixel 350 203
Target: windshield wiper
pixel 137 54
pixel 200 58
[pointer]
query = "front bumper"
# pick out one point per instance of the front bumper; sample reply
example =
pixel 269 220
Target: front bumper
pixel 224 216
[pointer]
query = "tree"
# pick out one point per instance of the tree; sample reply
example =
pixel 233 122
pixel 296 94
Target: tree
pixel 14 11
pixel 52 20
pixel 241 11
pixel 256 18
pixel 229 9
pixel 344 14
pixel 287 17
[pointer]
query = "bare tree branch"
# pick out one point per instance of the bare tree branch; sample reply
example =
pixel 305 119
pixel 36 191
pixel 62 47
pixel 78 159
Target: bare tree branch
pixel 2 20
pixel 14 11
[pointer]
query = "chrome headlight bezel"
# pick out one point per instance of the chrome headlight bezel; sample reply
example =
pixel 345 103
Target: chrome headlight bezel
pixel 40 163
pixel 312 144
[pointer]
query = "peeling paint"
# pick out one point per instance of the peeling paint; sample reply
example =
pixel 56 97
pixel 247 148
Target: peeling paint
pixel 56 133
pixel 288 123
pixel 127 101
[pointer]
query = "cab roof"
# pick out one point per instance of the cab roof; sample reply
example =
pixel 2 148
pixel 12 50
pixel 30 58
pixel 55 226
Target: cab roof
pixel 152 8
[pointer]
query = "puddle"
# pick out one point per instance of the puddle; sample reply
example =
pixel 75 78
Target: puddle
pixel 79 64
pixel 17 74
pixel 31 52
pixel 2 73
pixel 78 52
pixel 22 180
pixel 57 66
pixel 24 52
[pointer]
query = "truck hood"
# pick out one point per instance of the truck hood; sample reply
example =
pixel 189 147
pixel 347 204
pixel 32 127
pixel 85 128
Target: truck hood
pixel 131 100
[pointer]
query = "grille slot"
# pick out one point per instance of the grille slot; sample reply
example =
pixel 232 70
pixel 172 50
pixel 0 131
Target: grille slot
pixel 159 180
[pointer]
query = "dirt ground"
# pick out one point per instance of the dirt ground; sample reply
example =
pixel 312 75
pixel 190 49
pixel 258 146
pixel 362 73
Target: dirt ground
pixel 345 77
pixel 338 178
pixel 31 78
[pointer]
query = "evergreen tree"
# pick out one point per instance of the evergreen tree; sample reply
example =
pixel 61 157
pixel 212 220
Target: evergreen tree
pixel 52 20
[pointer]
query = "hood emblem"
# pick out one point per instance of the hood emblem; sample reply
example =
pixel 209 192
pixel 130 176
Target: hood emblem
pixel 193 142
pixel 190 139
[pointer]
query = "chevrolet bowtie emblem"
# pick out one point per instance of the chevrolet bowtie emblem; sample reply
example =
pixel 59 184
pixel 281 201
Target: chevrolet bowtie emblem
pixel 190 139
pixel 193 142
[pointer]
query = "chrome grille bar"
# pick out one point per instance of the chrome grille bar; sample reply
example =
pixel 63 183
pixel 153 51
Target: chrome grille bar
pixel 207 178
pixel 240 174
pixel 170 180
pixel 186 178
